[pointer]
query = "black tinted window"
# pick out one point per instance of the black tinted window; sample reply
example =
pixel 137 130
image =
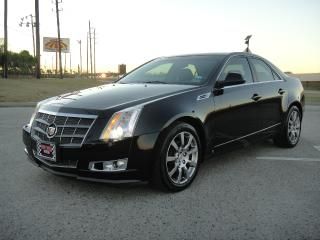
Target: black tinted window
pixel 262 70
pixel 237 65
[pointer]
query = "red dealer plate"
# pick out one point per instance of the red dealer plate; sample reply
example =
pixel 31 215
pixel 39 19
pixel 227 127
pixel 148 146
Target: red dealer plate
pixel 46 151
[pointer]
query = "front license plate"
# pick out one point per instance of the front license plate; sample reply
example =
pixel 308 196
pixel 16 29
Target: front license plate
pixel 47 151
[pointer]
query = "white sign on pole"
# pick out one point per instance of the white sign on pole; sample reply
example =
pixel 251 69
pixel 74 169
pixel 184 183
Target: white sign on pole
pixel 52 44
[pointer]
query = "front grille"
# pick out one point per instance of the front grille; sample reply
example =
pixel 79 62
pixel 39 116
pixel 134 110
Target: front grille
pixel 71 129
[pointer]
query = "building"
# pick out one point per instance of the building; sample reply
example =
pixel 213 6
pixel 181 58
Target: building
pixel 122 69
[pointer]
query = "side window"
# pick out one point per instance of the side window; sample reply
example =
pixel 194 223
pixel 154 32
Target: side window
pixel 276 76
pixel 238 65
pixel 262 70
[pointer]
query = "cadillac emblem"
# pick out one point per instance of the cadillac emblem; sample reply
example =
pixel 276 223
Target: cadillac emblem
pixel 51 130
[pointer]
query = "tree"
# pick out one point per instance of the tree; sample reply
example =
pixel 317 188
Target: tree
pixel 20 63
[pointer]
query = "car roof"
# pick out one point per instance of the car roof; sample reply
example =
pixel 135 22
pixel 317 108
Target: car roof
pixel 226 54
pixel 230 54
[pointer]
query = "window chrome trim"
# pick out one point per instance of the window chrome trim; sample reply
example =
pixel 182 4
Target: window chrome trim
pixel 252 83
pixel 250 134
pixel 249 63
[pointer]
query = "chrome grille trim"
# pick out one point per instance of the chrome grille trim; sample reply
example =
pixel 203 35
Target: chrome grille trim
pixel 68 114
pixel 68 134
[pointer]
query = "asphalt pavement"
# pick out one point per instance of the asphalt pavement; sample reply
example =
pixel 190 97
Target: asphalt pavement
pixel 258 191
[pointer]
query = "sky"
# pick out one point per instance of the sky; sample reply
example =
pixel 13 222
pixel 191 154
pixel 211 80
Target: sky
pixel 286 32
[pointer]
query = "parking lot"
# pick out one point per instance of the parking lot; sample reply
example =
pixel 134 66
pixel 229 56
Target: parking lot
pixel 258 191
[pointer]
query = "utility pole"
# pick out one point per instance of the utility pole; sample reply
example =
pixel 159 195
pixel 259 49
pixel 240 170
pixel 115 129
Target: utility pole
pixel 32 28
pixel 90 49
pixel 65 63
pixel 87 57
pixel 52 63
pixel 59 39
pixel 56 64
pixel 70 62
pixel 38 71
pixel 79 41
pixel 5 44
pixel 94 52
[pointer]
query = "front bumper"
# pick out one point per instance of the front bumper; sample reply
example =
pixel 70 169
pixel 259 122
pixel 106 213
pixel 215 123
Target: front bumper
pixel 74 161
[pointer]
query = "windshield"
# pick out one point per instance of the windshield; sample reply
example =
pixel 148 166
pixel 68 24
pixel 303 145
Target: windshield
pixel 190 70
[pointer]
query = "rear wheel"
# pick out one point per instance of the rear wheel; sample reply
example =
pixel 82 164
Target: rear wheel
pixel 178 160
pixel 289 134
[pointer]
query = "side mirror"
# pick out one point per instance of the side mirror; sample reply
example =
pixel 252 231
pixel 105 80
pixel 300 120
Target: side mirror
pixel 233 79
pixel 218 88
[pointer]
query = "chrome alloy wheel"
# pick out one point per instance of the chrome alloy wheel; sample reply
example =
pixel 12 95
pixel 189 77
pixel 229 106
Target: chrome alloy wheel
pixel 182 158
pixel 294 127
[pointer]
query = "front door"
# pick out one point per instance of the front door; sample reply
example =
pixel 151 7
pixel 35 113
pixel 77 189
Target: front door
pixel 235 111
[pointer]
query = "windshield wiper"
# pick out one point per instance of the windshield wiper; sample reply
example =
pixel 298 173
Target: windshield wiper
pixel 155 82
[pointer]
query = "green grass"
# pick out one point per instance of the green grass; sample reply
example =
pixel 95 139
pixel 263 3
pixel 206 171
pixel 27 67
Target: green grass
pixel 312 97
pixel 315 85
pixel 34 90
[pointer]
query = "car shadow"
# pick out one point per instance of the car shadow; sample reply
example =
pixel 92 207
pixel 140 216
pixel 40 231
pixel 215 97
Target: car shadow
pixel 220 159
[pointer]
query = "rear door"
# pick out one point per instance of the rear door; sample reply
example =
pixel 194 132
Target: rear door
pixel 235 113
pixel 271 91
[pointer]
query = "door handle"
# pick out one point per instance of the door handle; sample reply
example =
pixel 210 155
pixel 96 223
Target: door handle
pixel 281 91
pixel 255 97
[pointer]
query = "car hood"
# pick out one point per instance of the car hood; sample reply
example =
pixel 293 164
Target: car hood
pixel 113 95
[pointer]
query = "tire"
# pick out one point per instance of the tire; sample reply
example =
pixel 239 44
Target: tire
pixel 290 131
pixel 178 157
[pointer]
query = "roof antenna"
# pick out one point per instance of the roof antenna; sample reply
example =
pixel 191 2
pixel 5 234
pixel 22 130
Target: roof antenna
pixel 247 41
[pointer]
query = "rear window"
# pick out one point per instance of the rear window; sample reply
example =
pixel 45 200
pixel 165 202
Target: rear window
pixel 262 70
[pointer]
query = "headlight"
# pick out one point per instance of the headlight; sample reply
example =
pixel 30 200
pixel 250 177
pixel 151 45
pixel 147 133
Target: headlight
pixel 34 113
pixel 121 125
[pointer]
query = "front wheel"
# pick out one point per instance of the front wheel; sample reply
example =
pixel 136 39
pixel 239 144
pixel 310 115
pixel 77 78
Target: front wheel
pixel 179 155
pixel 289 134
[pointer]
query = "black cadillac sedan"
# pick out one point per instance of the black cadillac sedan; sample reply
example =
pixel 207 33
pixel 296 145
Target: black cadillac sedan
pixel 161 120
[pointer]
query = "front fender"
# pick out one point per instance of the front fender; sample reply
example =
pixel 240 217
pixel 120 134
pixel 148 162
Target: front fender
pixel 160 114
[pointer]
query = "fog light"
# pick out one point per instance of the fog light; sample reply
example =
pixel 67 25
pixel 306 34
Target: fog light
pixel 109 166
